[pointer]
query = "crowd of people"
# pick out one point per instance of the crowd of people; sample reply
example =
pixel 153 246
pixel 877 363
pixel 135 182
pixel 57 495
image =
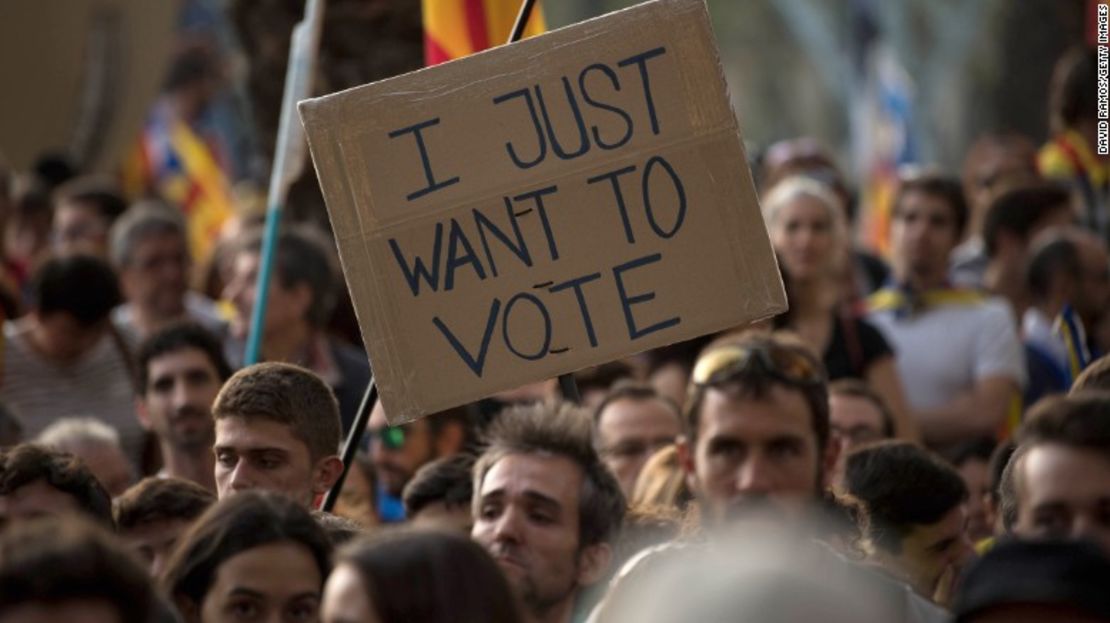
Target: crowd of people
pixel 920 438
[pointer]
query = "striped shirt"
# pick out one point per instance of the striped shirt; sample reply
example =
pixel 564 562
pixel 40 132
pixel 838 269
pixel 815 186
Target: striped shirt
pixel 97 385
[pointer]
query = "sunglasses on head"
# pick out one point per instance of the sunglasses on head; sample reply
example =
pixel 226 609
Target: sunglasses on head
pixel 725 363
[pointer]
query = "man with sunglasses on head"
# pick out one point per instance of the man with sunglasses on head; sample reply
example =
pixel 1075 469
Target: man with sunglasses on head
pixel 759 455
pixel 397 452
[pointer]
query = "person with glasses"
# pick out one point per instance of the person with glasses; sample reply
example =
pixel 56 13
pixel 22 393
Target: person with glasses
pixel 958 352
pixel 397 452
pixel 150 251
pixel 857 417
pixel 631 423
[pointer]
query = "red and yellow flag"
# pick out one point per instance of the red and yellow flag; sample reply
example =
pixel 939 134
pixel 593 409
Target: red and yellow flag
pixel 456 28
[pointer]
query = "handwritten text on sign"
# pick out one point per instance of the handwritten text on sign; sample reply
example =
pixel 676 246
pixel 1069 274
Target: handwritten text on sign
pixel 543 207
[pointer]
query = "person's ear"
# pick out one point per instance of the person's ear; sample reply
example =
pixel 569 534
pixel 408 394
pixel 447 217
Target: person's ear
pixel 828 463
pixel 302 294
pixel 449 439
pixel 142 414
pixel 593 563
pixel 326 474
pixel 685 453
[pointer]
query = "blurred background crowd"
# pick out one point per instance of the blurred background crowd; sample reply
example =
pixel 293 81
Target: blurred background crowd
pixel 923 436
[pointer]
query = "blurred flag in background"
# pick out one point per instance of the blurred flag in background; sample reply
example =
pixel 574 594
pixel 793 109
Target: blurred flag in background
pixel 456 28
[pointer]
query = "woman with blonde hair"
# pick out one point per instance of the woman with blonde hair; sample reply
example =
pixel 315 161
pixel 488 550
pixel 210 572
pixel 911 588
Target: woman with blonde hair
pixel 809 233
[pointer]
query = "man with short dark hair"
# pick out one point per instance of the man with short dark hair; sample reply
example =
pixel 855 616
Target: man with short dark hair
pixel 631 422
pixel 63 569
pixel 1059 477
pixel 993 162
pixel 277 429
pixel 967 388
pixel 1013 221
pixel 916 514
pixel 397 452
pixel 857 417
pixel 151 515
pixel 181 369
pixel 439 495
pixel 64 358
pixel 84 210
pixel 150 252
pixel 302 296
pixel 36 481
pixel 1068 277
pixel 546 507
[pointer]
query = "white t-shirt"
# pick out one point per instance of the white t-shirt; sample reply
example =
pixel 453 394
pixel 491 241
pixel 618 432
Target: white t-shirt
pixel 945 350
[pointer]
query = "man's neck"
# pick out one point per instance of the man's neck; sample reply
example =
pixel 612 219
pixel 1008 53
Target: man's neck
pixel 288 344
pixel 147 322
pixel 921 281
pixel 1003 280
pixel 198 466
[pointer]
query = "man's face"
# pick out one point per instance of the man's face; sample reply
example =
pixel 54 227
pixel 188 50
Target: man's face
pixel 157 275
pixel 528 520
pixel 177 401
pixel 1064 492
pixel 79 228
pixel 154 541
pixel 397 452
pixel 285 306
pixel 977 477
pixel 923 234
pixel 1093 291
pixel 934 551
pixel 256 453
pixel 108 465
pixel 995 167
pixel 36 499
pixel 756 454
pixel 854 421
pixel 629 431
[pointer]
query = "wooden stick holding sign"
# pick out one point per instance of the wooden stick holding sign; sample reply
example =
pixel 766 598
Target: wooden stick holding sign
pixel 358 427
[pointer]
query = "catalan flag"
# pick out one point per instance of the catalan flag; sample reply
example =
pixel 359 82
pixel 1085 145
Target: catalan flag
pixel 456 28
pixel 173 161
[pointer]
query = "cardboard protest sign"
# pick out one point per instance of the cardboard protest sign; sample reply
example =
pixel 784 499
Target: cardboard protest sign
pixel 542 207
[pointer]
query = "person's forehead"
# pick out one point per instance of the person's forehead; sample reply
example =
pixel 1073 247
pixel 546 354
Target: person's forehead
pixel 925 203
pixel 245 433
pixel 287 566
pixel 847 410
pixel 180 361
pixel 40 495
pixel 159 242
pixel 1053 471
pixel 628 412
pixel 779 411
pixel 523 475
pixel 949 526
